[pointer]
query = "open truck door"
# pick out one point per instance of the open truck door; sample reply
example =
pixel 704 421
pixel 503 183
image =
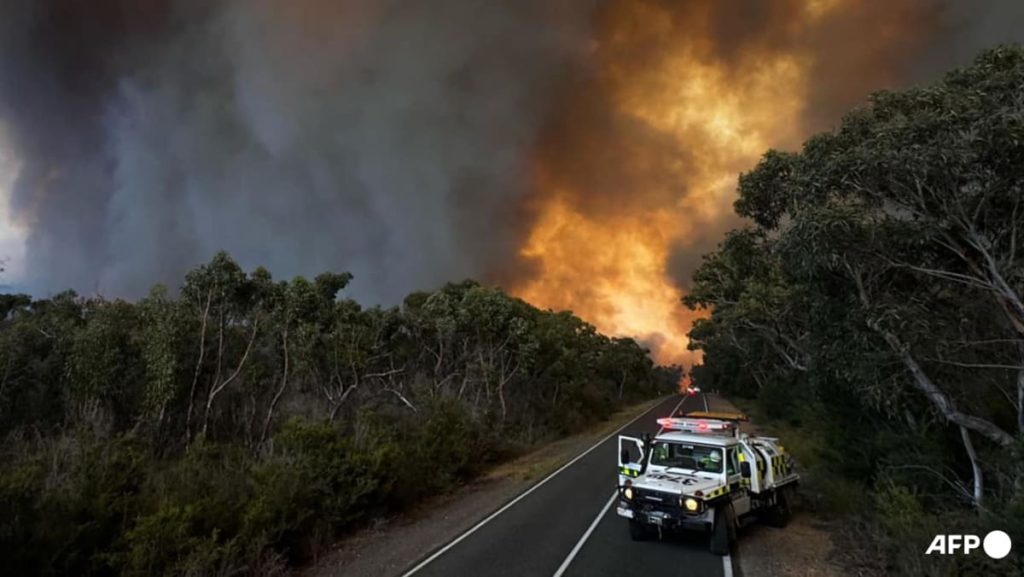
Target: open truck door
pixel 631 458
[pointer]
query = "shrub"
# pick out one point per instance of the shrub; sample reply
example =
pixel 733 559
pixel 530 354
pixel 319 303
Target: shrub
pixel 169 541
pixel 315 483
pixel 66 502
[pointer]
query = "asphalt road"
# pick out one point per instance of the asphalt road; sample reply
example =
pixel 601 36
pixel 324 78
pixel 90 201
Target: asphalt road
pixel 566 525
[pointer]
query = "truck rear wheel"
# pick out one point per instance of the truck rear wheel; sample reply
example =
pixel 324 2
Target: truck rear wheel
pixel 722 533
pixel 637 531
pixel 780 514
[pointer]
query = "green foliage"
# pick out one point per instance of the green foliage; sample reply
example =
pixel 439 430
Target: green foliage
pixel 105 361
pixel 241 425
pixel 166 542
pixel 65 503
pixel 317 481
pixel 165 328
pixel 11 303
pixel 778 398
pixel 875 304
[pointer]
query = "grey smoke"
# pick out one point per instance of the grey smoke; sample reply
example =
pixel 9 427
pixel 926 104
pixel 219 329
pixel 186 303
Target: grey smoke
pixel 390 139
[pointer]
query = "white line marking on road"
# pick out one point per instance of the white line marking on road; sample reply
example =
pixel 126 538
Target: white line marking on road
pixel 579 544
pixel 583 539
pixel 523 495
pixel 727 560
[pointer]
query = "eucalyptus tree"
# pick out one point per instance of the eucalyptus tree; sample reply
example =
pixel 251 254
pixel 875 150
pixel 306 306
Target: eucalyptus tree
pixel 302 313
pixel 896 237
pixel 503 344
pixel 222 295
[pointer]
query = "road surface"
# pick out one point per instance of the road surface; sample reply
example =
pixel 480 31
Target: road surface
pixel 566 525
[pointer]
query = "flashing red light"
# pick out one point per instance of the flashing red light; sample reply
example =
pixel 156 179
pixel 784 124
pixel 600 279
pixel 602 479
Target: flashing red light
pixel 693 425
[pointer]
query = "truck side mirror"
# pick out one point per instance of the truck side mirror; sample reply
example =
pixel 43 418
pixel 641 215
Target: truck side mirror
pixel 625 457
pixel 745 469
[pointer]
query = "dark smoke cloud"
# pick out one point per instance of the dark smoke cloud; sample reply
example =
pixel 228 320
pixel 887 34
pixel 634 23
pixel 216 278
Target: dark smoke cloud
pixel 58 63
pixel 391 139
pixel 397 140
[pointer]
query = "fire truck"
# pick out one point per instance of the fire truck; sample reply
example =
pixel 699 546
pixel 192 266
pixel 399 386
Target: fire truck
pixel 701 473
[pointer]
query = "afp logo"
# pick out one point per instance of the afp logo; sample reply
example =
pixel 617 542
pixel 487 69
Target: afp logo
pixel 996 544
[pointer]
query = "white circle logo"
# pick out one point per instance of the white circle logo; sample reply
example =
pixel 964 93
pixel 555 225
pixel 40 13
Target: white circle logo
pixel 997 544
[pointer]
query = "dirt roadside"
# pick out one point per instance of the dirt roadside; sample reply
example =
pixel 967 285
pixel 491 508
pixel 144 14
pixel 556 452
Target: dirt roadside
pixel 393 545
pixel 803 549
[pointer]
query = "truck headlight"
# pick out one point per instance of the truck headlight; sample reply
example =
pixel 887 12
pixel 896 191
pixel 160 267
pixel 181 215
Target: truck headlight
pixel 628 493
pixel 691 504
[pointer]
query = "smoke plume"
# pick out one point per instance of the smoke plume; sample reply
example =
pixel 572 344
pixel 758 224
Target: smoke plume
pixel 582 153
pixel 386 138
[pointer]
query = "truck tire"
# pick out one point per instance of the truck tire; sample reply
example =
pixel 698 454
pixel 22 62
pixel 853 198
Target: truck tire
pixel 780 514
pixel 722 533
pixel 637 531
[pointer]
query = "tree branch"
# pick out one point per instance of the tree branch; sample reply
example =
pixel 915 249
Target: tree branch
pixel 215 391
pixel 921 379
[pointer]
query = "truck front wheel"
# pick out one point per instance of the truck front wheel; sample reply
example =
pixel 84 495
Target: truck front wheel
pixel 721 534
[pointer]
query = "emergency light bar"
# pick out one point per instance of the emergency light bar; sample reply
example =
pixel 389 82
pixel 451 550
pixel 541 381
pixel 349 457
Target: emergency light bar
pixel 719 415
pixel 692 425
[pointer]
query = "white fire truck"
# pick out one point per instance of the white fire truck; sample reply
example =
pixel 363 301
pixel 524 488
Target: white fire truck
pixel 699 472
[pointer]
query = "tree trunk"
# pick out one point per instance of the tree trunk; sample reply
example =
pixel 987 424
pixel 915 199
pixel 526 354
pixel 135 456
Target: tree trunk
pixel 979 483
pixel 501 401
pixel 402 398
pixel 939 399
pixel 1015 305
pixel 334 412
pixel 341 401
pixel 923 382
pixel 622 383
pixel 216 390
pixel 160 416
pixel 277 396
pixel 199 366
pixel 220 351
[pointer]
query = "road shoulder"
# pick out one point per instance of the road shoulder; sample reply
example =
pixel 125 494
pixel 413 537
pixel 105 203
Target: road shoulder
pixel 393 545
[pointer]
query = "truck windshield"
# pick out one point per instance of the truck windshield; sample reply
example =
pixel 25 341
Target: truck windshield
pixel 682 455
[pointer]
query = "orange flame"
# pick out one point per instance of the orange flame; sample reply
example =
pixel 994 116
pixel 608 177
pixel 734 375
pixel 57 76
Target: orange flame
pixel 610 266
pixel 685 383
